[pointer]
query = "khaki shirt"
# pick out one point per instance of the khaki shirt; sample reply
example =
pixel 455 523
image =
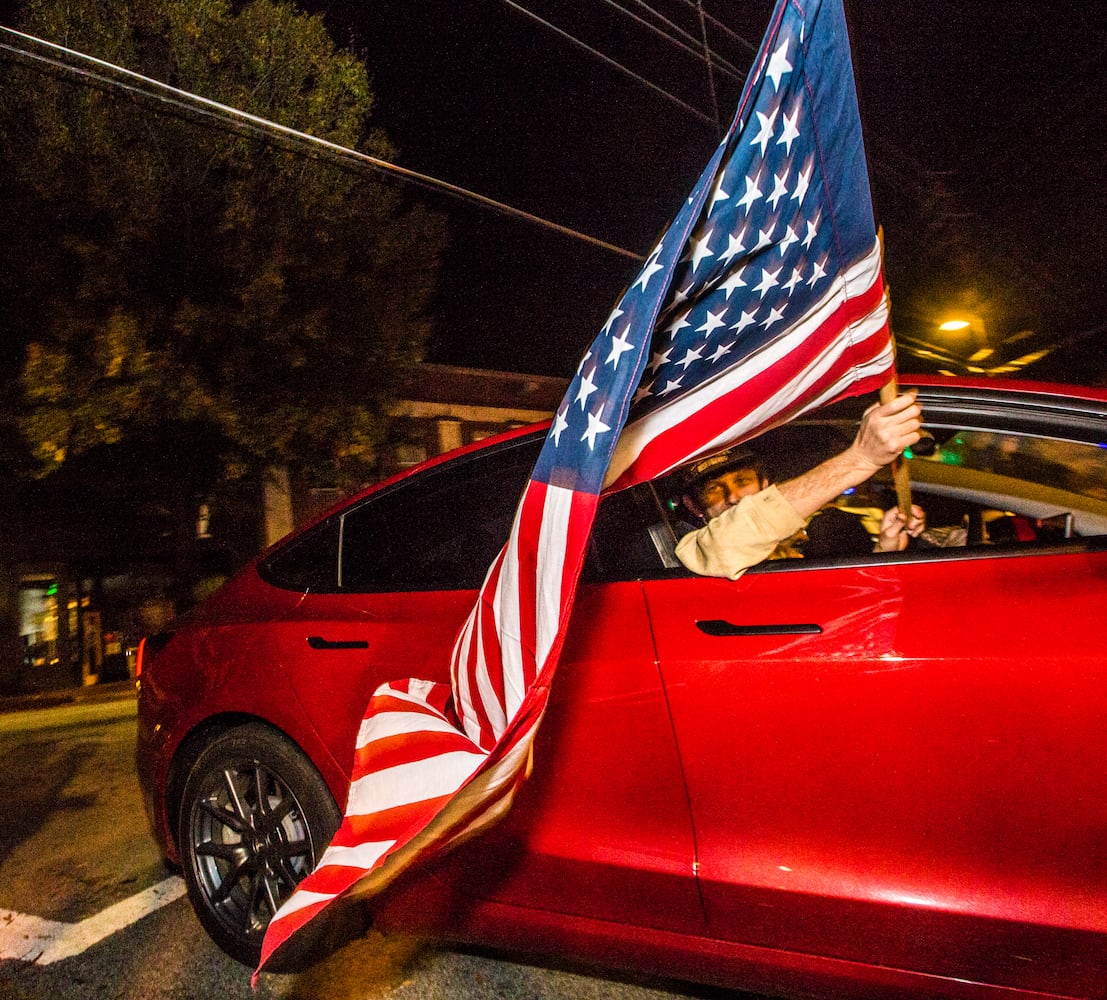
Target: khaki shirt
pixel 741 536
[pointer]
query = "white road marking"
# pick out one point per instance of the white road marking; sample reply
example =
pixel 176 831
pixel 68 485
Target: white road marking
pixel 33 939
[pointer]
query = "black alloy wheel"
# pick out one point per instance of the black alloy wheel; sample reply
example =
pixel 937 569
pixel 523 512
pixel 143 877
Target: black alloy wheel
pixel 255 817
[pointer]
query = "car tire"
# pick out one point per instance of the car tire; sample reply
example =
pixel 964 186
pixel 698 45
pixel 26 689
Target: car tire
pixel 255 818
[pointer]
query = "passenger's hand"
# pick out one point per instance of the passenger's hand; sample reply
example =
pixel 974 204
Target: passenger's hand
pixel 895 529
pixel 887 428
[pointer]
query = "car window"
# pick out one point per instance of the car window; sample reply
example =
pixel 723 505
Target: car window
pixel 440 530
pixel 1015 488
pixel 984 492
pixel 631 538
pixel 308 563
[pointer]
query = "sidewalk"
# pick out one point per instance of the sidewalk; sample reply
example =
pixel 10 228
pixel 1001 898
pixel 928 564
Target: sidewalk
pixel 110 691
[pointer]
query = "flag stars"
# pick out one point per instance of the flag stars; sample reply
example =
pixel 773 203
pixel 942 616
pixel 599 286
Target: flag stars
pixel 812 232
pixel 700 250
pixel 753 192
pixel 780 188
pixel 718 195
pixel 794 279
pixel 733 281
pixel 671 385
pixel 817 273
pixel 586 388
pixel 734 246
pixel 790 133
pixel 615 314
pixel 619 346
pixel 688 358
pixel 803 181
pixel 762 138
pixel 779 67
pixel 649 270
pixel 560 424
pixel 768 280
pixel 595 427
pixel 713 322
pixel 678 324
pixel 773 317
pixel 659 358
pixel 679 296
pixel 721 351
pixel 764 238
pixel 746 319
pixel 789 238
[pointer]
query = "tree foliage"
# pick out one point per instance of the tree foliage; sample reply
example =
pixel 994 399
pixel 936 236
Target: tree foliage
pixel 168 270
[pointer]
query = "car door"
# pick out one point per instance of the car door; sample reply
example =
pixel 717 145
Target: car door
pixel 601 828
pixel 899 760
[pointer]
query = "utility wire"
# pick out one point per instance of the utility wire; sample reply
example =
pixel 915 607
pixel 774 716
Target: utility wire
pixel 725 29
pixel 70 61
pixel 710 67
pixel 610 62
pixel 691 44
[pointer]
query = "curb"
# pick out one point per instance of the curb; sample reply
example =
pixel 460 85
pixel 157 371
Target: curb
pixel 111 691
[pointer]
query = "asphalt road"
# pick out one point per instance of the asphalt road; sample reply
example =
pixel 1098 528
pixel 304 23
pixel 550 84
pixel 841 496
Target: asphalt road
pixel 87 909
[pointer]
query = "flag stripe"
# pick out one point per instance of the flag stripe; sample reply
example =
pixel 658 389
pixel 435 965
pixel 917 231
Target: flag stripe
pixel 414 780
pixel 554 543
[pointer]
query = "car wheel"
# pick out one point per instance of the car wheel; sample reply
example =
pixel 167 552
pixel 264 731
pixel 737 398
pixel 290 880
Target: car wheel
pixel 254 819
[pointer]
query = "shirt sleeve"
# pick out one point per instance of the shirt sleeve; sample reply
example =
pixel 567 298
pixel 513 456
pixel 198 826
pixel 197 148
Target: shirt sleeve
pixel 741 536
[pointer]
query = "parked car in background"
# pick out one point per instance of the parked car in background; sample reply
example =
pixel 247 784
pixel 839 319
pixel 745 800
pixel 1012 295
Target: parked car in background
pixel 875 775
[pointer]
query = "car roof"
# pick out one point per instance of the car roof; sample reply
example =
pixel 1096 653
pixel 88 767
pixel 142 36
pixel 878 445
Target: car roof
pixel 935 386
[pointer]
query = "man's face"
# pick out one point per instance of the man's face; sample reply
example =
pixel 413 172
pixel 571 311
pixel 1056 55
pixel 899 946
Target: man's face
pixel 726 489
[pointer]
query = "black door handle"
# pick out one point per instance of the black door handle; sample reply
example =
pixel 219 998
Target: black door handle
pixel 721 627
pixel 318 642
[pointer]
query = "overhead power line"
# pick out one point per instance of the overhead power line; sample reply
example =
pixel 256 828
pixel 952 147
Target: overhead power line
pixel 675 35
pixel 607 60
pixel 725 29
pixel 71 62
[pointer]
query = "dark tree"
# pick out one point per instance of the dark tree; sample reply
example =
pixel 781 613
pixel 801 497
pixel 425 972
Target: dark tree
pixel 170 273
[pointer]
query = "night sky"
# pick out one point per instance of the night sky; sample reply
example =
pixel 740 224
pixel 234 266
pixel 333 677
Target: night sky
pixel 985 134
pixel 999 103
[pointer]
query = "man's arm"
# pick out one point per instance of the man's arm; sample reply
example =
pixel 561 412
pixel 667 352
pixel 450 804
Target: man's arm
pixel 885 430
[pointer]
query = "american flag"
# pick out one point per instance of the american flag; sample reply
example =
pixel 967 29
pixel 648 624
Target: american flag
pixel 763 299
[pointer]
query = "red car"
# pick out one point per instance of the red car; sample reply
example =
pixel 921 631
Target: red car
pixel 842 775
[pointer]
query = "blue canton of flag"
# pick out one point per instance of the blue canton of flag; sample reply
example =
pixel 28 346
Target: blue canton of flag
pixel 763 299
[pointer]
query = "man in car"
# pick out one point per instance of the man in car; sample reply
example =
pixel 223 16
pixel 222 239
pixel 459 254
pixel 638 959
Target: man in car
pixel 750 520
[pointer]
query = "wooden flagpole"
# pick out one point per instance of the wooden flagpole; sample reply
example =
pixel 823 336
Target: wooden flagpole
pixel 901 475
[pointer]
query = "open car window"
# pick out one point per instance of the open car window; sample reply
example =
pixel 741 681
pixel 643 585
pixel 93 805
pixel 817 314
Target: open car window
pixel 984 492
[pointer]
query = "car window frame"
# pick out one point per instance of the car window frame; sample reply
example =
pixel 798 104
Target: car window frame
pixel 952 409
